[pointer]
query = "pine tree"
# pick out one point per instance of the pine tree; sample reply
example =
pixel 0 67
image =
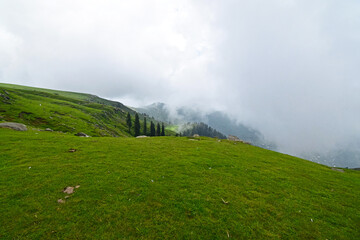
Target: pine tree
pixel 137 125
pixel 145 127
pixel 158 129
pixel 162 129
pixel 152 129
pixel 128 121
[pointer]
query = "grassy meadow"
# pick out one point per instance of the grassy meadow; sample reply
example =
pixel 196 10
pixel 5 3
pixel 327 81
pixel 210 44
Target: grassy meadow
pixel 168 188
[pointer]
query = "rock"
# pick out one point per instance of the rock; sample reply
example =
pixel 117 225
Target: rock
pixel 69 190
pixel 236 139
pixel 337 169
pixel 142 136
pixel 77 186
pixel 72 150
pixel 13 125
pixel 196 135
pixel 49 130
pixel 81 134
pixel 60 201
pixel 233 138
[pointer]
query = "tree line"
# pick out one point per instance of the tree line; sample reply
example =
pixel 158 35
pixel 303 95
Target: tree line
pixel 201 129
pixel 154 130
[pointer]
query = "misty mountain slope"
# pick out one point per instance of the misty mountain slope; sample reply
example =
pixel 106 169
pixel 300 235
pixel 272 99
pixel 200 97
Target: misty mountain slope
pixel 217 120
pixel 168 188
pixel 202 129
pixel 63 111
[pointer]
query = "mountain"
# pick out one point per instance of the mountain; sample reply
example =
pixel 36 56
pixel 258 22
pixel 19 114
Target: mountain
pixel 65 111
pixel 217 120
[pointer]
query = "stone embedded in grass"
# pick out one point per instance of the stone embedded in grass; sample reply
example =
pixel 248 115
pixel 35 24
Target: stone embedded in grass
pixel 142 136
pixel 61 201
pixel 69 190
pixel 337 169
pixel 77 186
pixel 67 196
pixel 14 126
pixel 72 150
pixel 81 134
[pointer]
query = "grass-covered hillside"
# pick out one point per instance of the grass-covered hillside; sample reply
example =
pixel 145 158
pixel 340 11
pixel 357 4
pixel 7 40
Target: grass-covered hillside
pixel 167 188
pixel 63 111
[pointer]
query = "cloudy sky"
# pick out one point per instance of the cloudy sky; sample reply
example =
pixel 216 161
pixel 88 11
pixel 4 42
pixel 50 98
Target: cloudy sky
pixel 289 68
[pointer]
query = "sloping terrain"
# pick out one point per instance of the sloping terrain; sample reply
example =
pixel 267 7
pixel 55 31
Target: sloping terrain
pixel 168 188
pixel 63 111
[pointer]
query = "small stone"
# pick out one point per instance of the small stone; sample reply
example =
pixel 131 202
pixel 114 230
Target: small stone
pixel 72 150
pixel 66 197
pixel 60 201
pixel 337 169
pixel 142 136
pixel 69 190
pixel 77 186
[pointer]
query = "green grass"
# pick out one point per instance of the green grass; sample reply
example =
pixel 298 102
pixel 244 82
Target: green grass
pixel 64 111
pixel 168 188
pixel 74 95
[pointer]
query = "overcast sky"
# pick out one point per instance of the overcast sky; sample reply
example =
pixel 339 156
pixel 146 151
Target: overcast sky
pixel 289 68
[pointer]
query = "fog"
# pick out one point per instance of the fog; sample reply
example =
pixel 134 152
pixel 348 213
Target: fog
pixel 287 68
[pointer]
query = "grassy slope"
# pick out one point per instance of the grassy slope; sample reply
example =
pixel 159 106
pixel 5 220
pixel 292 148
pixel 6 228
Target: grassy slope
pixel 63 111
pixel 270 195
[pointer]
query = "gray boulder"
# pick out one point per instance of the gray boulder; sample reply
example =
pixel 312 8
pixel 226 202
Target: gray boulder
pixel 81 134
pixel 13 125
pixel 141 136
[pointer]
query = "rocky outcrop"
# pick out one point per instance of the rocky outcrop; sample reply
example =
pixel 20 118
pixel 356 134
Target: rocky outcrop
pixel 14 126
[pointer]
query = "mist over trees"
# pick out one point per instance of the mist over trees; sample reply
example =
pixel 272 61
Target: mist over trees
pixel 202 129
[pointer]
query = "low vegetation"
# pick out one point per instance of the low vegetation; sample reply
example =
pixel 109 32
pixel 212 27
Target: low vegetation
pixel 167 188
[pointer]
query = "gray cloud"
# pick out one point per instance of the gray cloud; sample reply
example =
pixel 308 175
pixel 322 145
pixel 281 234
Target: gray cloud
pixel 287 68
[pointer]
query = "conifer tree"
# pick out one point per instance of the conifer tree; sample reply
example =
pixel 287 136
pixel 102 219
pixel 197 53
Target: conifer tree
pixel 162 129
pixel 158 129
pixel 145 127
pixel 152 129
pixel 128 121
pixel 137 125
